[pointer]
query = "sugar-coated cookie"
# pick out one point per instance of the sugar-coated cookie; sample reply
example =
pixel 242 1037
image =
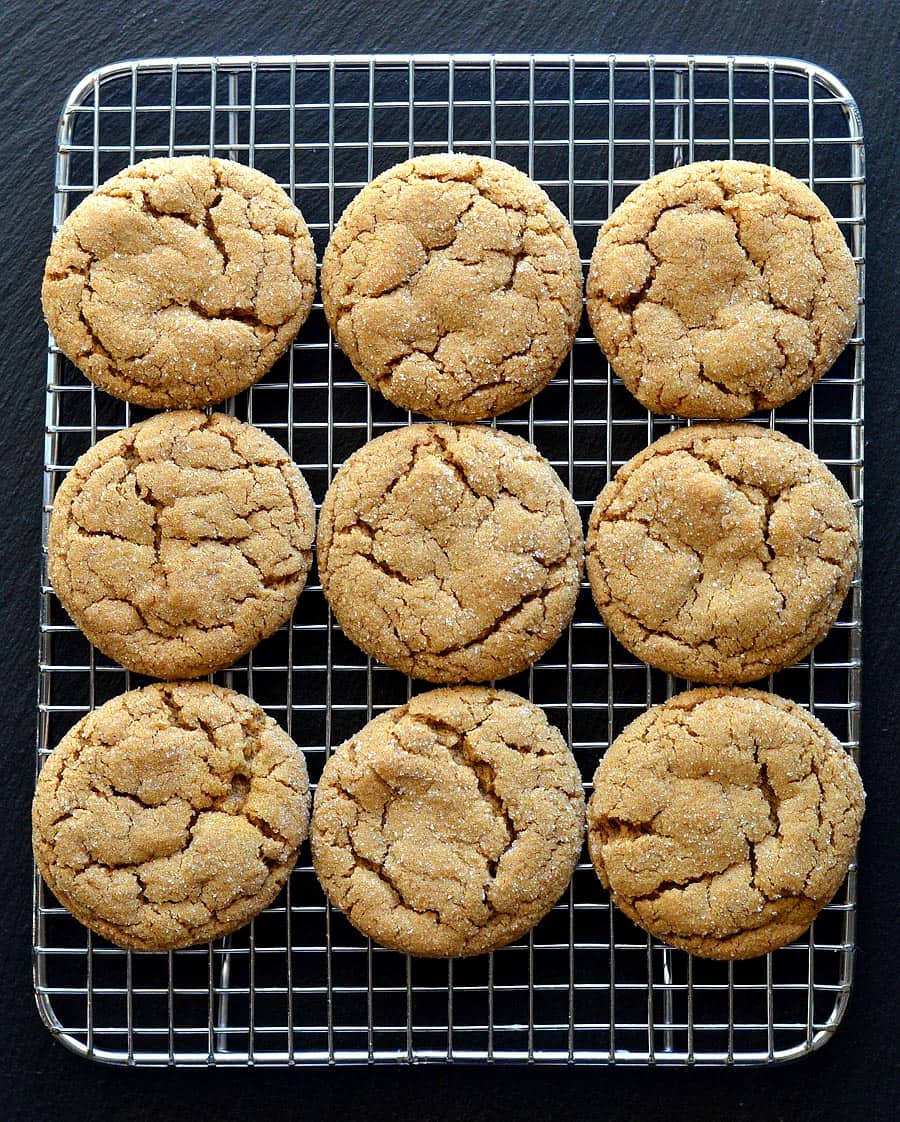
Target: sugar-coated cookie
pixel 180 281
pixel 720 288
pixel 721 553
pixel 450 552
pixel 171 815
pixel 724 821
pixel 451 825
pixel 454 286
pixel 180 543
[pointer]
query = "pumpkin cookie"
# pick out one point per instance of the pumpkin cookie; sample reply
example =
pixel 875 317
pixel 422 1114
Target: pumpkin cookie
pixel 453 285
pixel 452 553
pixel 451 825
pixel 179 544
pixel 179 281
pixel 723 821
pixel 720 288
pixel 170 816
pixel 721 553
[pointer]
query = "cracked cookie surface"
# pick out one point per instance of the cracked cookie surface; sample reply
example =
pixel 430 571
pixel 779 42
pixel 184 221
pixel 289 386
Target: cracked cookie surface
pixel 721 553
pixel 723 821
pixel 451 553
pixel 180 543
pixel 179 281
pixel 453 284
pixel 720 288
pixel 451 825
pixel 171 815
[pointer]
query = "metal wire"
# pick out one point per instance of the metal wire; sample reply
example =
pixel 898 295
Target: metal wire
pixel 299 985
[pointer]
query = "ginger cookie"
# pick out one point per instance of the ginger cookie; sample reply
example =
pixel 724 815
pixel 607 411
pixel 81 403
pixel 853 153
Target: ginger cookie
pixel 453 284
pixel 171 815
pixel 178 544
pixel 721 288
pixel 721 553
pixel 451 825
pixel 724 820
pixel 451 553
pixel 179 281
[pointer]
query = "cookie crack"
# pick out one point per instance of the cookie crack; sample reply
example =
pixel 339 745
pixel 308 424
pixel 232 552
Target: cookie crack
pixel 177 715
pixel 209 225
pixel 820 820
pixel 774 807
pixel 462 752
pixel 378 869
pixel 716 643
pixel 429 252
pixel 265 828
pixel 768 511
pixel 679 885
pixel 756 398
pixel 97 347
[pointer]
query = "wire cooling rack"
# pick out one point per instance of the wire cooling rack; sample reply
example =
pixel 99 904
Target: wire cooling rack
pixel 299 985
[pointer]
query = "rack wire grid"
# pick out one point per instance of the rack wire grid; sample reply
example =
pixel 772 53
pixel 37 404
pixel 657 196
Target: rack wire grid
pixel 299 985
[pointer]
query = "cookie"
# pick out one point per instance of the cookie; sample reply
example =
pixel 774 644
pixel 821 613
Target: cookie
pixel 451 825
pixel 723 821
pixel 721 553
pixel 721 288
pixel 179 281
pixel 178 544
pixel 453 285
pixel 170 816
pixel 451 553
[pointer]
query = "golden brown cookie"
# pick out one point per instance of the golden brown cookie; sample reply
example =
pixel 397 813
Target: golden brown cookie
pixel 453 285
pixel 720 288
pixel 723 821
pixel 452 553
pixel 171 815
pixel 179 281
pixel 721 553
pixel 178 544
pixel 451 825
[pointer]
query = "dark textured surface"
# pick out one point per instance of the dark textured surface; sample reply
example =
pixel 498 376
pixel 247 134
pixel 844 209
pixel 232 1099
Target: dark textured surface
pixel 45 48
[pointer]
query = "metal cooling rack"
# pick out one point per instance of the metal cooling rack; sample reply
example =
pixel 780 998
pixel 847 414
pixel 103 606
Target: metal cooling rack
pixel 300 985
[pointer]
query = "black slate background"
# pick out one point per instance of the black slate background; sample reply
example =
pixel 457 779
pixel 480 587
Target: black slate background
pixel 44 49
